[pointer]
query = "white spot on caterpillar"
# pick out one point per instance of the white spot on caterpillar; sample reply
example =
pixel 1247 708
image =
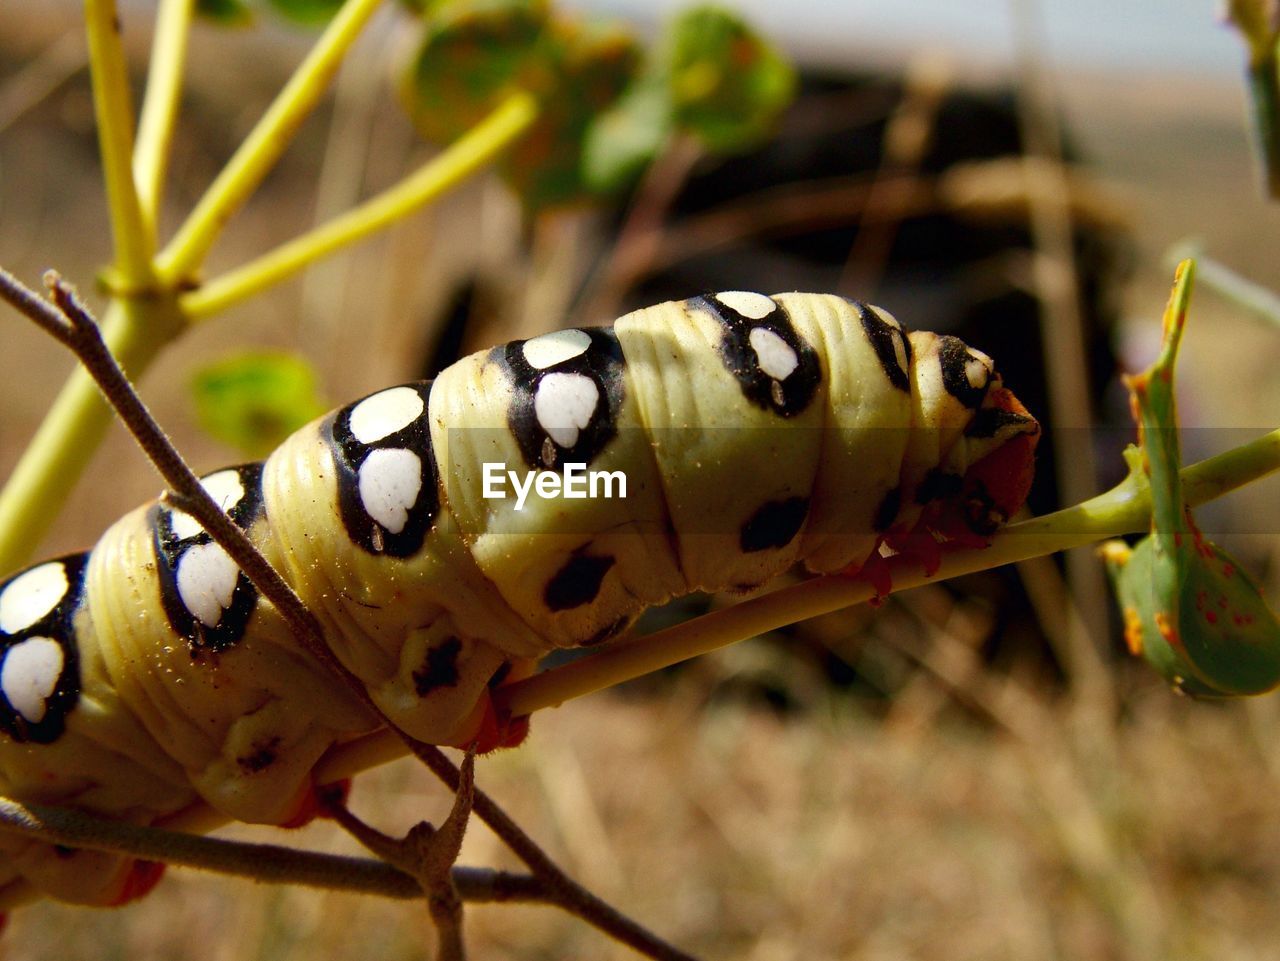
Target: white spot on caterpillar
pixel 748 304
pixel 206 580
pixel 30 673
pixel 977 371
pixel 32 595
pixel 774 355
pixel 385 413
pixel 564 404
pixel 555 348
pixel 226 489
pixel 389 483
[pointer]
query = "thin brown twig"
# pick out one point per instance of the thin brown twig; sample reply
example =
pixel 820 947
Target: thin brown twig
pixel 260 862
pixel 72 325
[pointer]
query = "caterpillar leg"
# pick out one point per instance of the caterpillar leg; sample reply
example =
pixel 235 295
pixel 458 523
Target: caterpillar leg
pixel 485 727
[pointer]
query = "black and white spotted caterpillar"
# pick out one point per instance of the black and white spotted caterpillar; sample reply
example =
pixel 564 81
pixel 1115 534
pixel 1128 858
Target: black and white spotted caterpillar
pixel 753 432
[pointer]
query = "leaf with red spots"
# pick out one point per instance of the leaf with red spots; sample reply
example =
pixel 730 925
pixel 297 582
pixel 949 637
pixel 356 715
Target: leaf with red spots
pixel 1189 609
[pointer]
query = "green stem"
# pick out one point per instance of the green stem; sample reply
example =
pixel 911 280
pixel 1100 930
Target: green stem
pixel 264 145
pixel 458 162
pixel 136 330
pixel 1124 509
pixel 1264 96
pixel 134 241
pixel 1257 299
pixel 160 105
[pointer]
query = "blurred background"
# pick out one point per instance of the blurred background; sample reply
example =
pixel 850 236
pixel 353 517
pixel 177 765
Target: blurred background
pixel 973 771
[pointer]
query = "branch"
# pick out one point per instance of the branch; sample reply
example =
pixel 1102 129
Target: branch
pixel 442 173
pixel 160 104
pixel 270 863
pixel 134 241
pixel 264 145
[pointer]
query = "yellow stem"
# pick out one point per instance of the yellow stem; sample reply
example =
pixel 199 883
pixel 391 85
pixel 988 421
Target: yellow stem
pixel 459 161
pixel 160 104
pixel 135 330
pixel 134 241
pixel 1122 510
pixel 264 145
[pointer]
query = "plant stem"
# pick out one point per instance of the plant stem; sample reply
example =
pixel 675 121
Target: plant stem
pixel 1257 299
pixel 134 241
pixel 1124 509
pixel 160 104
pixel 270 863
pixel 264 145
pixel 1261 76
pixel 442 173
pixel 60 451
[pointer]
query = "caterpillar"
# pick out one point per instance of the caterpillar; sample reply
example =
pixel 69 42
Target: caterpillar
pixel 749 432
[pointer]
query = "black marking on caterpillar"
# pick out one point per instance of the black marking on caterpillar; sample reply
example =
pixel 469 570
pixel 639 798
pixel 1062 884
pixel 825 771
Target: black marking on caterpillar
pixel 774 525
pixel 887 511
pixel 890 343
pixel 960 369
pixel 776 369
pixel 991 420
pixel 391 527
pixel 578 582
pixel 938 485
pixel 39 659
pixel 440 668
pixel 592 377
pixel 195 572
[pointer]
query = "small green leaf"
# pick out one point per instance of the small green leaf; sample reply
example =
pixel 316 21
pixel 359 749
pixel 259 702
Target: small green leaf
pixel 625 139
pixel 472 56
pixel 590 67
pixel 226 12
pixel 309 12
pixel 727 84
pixel 254 400
pixel 476 53
pixel 1189 608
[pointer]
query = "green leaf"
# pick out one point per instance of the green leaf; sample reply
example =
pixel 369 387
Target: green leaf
pixel 590 67
pixel 255 399
pixel 476 53
pixel 472 56
pixel 625 139
pixel 727 84
pixel 310 12
pixel 1189 608
pixel 226 12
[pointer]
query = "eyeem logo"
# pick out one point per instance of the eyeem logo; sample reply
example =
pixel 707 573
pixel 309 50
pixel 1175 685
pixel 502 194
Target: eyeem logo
pixel 574 483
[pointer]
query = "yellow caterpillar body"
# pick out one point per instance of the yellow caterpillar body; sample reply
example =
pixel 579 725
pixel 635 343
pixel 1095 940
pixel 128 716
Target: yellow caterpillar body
pixel 750 433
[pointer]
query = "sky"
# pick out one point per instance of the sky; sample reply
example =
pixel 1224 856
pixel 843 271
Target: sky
pixel 1178 35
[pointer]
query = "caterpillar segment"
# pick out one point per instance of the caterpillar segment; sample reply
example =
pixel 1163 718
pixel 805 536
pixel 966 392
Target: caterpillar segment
pixel 753 433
